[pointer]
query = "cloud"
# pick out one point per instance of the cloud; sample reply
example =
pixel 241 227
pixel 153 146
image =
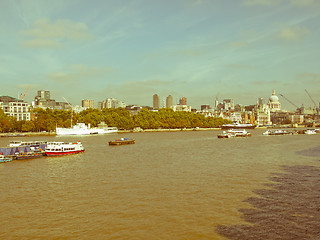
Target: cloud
pixel 261 2
pixel 78 72
pixel 42 43
pixel 293 33
pixel 44 33
pixel 310 78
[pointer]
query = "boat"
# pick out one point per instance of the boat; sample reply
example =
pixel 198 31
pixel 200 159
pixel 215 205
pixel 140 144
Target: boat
pixel 27 144
pixel 238 126
pixel 310 131
pixel 121 141
pixel 224 134
pixel 62 148
pixel 234 133
pixel 83 129
pixel 4 159
pixel 28 155
pixel 276 132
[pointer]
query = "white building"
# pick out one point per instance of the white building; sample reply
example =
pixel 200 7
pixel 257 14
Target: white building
pixel 18 110
pixel 111 103
pixel 184 108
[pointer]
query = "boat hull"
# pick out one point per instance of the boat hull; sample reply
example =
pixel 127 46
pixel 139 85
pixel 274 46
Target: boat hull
pixel 82 129
pixel 63 153
pixel 124 142
pixel 28 156
pixel 238 127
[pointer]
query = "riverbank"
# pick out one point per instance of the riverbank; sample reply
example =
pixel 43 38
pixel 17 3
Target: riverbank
pixel 136 130
pixel 27 134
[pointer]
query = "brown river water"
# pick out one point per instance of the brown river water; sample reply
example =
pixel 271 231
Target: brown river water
pixel 169 185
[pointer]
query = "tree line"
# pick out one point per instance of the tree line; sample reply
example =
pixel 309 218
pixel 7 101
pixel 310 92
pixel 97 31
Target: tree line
pixel 48 119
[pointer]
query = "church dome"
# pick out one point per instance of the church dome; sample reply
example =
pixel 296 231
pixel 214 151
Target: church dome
pixel 273 98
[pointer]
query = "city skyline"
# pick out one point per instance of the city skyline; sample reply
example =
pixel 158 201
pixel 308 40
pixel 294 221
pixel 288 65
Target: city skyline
pixel 132 49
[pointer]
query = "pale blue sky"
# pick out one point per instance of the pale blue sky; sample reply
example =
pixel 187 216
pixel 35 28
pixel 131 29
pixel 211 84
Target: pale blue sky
pixel 131 49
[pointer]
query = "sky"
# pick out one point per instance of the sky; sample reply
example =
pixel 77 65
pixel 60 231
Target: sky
pixel 132 49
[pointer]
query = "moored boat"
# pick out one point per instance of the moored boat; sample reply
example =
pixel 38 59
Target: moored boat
pixel 122 141
pixel 310 131
pixel 4 159
pixel 28 155
pixel 83 129
pixel 62 148
pixel 238 126
pixel 27 144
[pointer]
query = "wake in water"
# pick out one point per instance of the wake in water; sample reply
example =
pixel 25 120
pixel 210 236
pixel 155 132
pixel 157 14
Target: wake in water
pixel 289 210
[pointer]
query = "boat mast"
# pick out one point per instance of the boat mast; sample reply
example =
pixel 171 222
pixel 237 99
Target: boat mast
pixel 71 110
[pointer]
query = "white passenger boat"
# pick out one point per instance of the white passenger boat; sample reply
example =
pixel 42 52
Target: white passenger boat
pixel 234 133
pixel 83 129
pixel 62 148
pixel 27 144
pixel 276 132
pixel 310 131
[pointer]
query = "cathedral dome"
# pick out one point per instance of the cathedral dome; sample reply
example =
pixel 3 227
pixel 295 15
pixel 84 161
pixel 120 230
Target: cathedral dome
pixel 273 98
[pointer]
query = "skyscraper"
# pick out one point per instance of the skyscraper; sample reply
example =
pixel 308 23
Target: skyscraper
pixel 169 101
pixel 87 103
pixel 156 101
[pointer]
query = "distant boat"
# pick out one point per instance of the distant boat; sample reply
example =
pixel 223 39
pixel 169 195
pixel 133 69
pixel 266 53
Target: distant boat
pixel 61 148
pixel 234 133
pixel 276 132
pixel 122 141
pixel 310 131
pixel 83 129
pixel 238 126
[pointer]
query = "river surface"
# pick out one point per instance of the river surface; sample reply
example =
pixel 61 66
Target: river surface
pixel 169 185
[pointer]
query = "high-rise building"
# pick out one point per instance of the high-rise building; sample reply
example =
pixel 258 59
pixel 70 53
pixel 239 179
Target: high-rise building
pixel 111 103
pixel 43 100
pixel 169 101
pixel 43 94
pixel 183 101
pixel 156 101
pixel 85 103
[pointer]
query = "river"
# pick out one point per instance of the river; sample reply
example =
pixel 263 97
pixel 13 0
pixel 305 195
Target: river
pixel 169 185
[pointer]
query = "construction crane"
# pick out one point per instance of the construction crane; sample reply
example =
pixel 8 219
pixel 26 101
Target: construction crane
pixel 289 101
pixel 315 105
pixel 22 97
pixel 71 110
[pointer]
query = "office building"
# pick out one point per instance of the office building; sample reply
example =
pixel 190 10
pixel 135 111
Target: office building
pixel 169 101
pixel 156 101
pixel 111 103
pixel 85 103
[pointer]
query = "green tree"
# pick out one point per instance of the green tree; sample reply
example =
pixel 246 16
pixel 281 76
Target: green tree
pixel 28 126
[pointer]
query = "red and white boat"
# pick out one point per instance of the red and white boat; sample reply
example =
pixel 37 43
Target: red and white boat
pixel 62 148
